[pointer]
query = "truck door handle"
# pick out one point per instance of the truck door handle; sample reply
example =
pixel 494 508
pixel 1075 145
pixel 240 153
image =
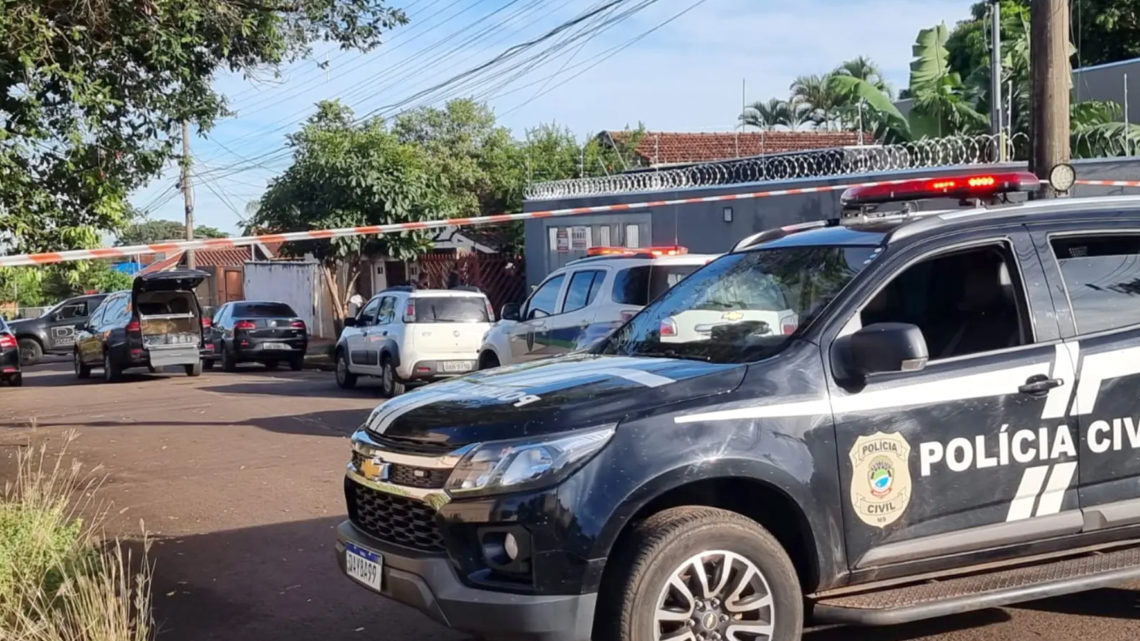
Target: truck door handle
pixel 1039 385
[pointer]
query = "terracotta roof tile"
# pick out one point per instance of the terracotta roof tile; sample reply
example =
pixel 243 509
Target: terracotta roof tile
pixel 671 148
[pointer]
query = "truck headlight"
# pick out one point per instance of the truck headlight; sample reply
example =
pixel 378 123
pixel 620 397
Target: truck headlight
pixel 508 466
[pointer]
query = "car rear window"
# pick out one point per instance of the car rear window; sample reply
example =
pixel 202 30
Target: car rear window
pixel 451 309
pixel 642 284
pixel 263 310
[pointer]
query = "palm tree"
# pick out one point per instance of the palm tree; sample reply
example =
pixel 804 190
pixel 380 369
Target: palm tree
pixel 866 70
pixel 767 115
pixel 815 91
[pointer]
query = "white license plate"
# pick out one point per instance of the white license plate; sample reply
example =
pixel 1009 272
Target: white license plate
pixel 274 346
pixel 364 565
pixel 456 366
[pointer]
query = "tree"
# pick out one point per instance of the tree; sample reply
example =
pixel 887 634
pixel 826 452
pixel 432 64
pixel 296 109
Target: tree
pixel 815 92
pixel 348 174
pixel 941 105
pixel 865 69
pixel 153 231
pixel 92 93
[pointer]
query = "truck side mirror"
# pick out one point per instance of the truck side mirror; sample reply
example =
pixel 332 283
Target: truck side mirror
pixel 510 312
pixel 885 347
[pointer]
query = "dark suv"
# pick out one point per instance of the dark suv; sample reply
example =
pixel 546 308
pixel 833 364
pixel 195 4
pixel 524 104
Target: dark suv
pixel 950 425
pixel 157 323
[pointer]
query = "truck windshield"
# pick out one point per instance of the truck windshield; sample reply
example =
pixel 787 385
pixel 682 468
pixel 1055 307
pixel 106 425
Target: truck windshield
pixel 741 307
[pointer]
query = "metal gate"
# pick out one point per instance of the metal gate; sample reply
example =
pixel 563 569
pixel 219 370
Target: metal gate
pixel 296 283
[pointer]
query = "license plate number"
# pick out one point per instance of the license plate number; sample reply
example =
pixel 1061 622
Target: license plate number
pixel 274 346
pixel 456 366
pixel 364 565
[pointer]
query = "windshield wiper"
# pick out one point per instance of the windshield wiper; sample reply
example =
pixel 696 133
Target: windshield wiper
pixel 670 353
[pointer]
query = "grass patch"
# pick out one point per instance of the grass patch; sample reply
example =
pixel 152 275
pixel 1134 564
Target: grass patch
pixel 59 580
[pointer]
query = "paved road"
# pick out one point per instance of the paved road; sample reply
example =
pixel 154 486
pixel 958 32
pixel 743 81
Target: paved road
pixel 238 478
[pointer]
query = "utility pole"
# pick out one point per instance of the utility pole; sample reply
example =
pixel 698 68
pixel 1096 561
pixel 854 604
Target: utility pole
pixel 995 76
pixel 187 193
pixel 1049 73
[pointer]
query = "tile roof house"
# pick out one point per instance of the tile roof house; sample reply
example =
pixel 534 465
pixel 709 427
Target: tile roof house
pixel 660 148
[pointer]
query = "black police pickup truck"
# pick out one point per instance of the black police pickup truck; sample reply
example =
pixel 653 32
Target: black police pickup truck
pixel 950 424
pixel 54 330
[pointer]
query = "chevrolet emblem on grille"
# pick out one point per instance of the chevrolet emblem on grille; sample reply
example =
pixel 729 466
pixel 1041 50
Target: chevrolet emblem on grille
pixel 375 469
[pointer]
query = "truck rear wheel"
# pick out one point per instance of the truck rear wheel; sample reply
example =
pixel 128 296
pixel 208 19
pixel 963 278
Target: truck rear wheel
pixel 703 574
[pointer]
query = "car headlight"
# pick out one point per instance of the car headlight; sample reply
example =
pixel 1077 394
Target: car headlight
pixel 508 466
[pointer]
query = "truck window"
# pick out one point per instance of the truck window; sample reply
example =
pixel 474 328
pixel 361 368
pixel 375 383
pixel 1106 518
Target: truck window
pixel 741 307
pixel 1102 277
pixel 583 288
pixel 966 302
pixel 543 302
pixel 639 285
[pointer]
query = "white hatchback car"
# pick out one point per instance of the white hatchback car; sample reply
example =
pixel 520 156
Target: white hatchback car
pixel 405 335
pixel 584 301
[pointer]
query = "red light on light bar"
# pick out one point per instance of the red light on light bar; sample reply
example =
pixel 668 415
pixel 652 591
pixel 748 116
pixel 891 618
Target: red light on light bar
pixel 975 186
pixel 674 250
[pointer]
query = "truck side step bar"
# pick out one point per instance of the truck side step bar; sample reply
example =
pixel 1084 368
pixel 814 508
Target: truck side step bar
pixel 954 595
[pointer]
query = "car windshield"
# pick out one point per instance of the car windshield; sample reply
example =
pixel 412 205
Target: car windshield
pixel 741 307
pixel 451 309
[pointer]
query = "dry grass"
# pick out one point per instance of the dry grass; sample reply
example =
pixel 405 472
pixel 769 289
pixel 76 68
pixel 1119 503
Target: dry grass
pixel 59 581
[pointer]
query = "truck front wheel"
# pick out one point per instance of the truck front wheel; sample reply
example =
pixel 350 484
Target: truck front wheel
pixel 703 574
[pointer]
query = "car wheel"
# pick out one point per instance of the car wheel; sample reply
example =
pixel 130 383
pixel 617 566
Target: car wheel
pixel 194 369
pixel 270 364
pixel 297 363
pixel 390 385
pixel 16 380
pixel 30 351
pixel 488 360
pixel 81 369
pixel 229 363
pixel 207 364
pixel 151 368
pixel 111 371
pixel 702 573
pixel 344 377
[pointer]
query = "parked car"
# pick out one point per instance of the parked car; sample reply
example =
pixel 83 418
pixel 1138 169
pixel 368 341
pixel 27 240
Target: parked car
pixel 581 303
pixel 258 332
pixel 157 323
pixel 406 335
pixel 53 332
pixel 951 426
pixel 9 356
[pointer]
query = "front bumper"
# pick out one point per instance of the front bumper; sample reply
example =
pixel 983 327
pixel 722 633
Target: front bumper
pixel 429 584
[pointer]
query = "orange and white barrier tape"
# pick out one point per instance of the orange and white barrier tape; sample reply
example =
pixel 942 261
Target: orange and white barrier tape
pixel 375 230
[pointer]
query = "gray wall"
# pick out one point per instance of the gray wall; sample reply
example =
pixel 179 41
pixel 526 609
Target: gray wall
pixel 1106 82
pixel 701 228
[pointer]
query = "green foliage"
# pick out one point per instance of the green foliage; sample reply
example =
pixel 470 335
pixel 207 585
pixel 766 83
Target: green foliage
pixel 941 107
pixel 47 285
pixel 93 93
pixel 881 117
pixel 153 231
pixel 347 174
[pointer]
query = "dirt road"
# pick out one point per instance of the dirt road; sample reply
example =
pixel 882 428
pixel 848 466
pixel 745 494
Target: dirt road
pixel 238 478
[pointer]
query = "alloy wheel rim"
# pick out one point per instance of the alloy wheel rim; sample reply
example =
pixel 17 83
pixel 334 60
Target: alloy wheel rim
pixel 388 378
pixel 715 596
pixel 341 370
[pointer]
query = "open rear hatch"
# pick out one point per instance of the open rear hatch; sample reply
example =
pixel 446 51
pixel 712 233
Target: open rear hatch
pixel 168 310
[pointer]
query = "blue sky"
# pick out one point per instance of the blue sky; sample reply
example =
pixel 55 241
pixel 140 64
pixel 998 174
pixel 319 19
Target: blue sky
pixel 684 76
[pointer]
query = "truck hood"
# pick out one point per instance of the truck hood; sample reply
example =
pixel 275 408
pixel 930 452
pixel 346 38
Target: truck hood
pixel 24 324
pixel 550 396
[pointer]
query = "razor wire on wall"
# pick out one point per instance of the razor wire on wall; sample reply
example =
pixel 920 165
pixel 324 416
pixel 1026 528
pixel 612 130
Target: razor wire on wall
pixel 842 161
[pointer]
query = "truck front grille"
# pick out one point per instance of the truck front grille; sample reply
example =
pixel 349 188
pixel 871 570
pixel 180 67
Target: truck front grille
pixel 426 478
pixel 393 519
